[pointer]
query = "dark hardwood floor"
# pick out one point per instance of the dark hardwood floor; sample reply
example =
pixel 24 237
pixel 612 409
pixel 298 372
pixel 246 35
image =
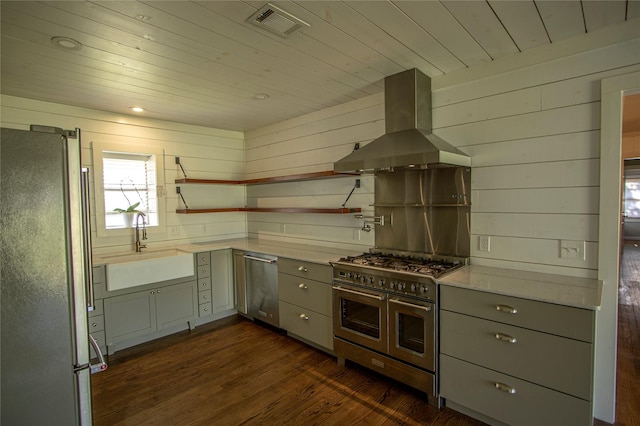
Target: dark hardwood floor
pixel 235 372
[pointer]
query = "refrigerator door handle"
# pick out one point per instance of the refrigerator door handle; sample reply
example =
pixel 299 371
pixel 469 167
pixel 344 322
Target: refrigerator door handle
pixel 101 365
pixel 86 228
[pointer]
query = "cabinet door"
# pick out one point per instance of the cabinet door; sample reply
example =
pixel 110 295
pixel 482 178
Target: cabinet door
pixel 222 282
pixel 240 282
pixel 176 304
pixel 129 316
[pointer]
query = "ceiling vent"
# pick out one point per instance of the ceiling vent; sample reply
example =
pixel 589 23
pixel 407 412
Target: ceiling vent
pixel 276 20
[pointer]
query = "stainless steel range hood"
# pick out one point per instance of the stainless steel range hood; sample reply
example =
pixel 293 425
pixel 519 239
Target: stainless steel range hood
pixel 408 141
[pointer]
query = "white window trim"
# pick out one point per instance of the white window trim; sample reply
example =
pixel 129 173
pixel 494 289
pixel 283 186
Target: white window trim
pixel 97 148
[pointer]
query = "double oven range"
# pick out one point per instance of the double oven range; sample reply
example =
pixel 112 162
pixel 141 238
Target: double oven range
pixel 385 315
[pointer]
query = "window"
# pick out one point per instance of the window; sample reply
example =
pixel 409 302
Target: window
pixel 125 175
pixel 129 183
pixel 632 197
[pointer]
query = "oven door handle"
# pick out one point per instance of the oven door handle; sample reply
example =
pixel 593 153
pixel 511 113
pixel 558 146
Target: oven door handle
pixel 372 296
pixel 411 305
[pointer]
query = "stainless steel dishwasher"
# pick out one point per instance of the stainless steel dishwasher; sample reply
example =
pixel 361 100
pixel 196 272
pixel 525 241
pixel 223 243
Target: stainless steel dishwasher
pixel 261 275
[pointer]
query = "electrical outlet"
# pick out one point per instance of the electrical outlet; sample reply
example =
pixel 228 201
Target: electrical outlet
pixel 484 243
pixel 573 249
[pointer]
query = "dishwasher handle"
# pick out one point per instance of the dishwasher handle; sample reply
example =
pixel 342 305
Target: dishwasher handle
pixel 259 259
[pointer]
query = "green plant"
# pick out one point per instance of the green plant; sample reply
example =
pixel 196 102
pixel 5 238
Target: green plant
pixel 131 209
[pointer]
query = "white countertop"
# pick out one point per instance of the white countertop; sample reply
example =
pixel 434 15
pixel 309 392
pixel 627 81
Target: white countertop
pixel 559 289
pixel 309 253
pixel 563 290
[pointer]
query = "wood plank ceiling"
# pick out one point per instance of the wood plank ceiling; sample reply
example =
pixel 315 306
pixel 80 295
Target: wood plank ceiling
pixel 200 62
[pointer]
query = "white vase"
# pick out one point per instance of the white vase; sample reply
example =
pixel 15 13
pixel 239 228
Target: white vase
pixel 128 219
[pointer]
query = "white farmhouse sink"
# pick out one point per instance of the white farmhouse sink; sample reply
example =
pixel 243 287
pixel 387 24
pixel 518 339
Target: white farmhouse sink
pixel 126 270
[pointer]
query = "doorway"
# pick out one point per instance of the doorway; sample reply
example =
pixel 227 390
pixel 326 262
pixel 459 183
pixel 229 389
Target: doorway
pixel 613 91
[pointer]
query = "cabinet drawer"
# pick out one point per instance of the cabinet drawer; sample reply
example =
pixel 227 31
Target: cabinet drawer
pixel 98 274
pixel 310 270
pixel 309 325
pixel 547 317
pixel 474 387
pixel 204 283
pixel 204 271
pixel 306 293
pixel 99 290
pixel 204 297
pixel 203 258
pixel 552 361
pixel 98 309
pixel 205 309
pixel 96 324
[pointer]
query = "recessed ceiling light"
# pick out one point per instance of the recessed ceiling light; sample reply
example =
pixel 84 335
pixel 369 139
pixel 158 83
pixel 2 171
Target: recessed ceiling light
pixel 66 43
pixel 260 97
pixel 137 109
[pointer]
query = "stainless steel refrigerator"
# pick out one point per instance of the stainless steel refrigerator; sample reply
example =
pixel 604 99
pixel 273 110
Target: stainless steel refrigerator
pixel 45 274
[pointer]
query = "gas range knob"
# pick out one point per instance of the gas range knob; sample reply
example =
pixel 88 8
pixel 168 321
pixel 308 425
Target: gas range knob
pixel 371 280
pixel 349 275
pixel 414 287
pixel 423 289
pixel 401 286
pixel 381 282
pixel 392 284
pixel 363 279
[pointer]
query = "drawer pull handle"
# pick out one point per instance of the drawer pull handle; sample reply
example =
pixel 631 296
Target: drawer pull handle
pixel 505 388
pixel 505 338
pixel 304 317
pixel 303 286
pixel 303 269
pixel 506 309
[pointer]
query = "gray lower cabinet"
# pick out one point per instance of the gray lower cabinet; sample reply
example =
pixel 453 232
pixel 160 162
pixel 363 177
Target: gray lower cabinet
pixel 146 313
pixel 215 282
pixel 515 361
pixel 305 301
pixel 222 288
pixel 240 296
pixel 203 275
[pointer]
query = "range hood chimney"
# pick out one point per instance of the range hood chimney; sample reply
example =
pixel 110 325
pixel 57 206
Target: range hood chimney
pixel 408 141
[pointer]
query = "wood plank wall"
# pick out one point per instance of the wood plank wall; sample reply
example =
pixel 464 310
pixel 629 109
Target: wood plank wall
pixel 533 135
pixel 204 152
pixel 311 143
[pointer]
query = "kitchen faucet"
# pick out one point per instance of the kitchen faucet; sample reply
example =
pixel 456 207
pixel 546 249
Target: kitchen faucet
pixel 139 246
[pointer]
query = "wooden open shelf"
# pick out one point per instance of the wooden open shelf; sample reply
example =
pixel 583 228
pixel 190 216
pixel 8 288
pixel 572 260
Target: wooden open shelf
pixel 341 210
pixel 276 179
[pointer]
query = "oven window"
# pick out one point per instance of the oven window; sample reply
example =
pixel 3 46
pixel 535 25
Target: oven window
pixel 360 317
pixel 410 332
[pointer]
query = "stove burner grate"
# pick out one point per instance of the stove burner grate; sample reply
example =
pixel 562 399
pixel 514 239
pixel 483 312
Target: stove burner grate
pixel 417 265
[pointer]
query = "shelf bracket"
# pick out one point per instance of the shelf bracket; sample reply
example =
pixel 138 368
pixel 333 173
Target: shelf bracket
pixel 357 185
pixel 181 168
pixel 181 196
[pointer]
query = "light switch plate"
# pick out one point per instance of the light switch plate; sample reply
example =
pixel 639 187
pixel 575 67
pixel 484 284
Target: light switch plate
pixel 573 249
